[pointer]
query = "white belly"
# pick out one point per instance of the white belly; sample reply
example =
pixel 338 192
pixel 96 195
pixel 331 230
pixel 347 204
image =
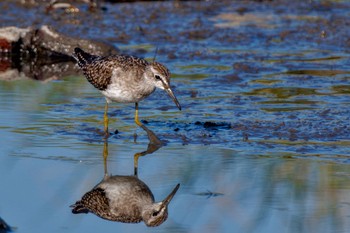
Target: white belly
pixel 121 95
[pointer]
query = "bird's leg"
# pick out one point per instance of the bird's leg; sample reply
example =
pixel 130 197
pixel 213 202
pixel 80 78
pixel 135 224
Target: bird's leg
pixel 105 120
pixel 137 115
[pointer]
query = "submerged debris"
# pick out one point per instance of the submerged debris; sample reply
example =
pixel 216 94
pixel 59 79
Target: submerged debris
pixel 209 194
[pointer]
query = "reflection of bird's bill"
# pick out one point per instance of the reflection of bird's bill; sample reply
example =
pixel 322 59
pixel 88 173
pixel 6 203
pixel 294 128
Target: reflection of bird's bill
pixel 167 200
pixel 171 94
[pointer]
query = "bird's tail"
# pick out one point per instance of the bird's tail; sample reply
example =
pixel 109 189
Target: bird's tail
pixel 83 57
pixel 79 208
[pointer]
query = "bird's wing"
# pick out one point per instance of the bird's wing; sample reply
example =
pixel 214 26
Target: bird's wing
pixel 94 201
pixel 99 73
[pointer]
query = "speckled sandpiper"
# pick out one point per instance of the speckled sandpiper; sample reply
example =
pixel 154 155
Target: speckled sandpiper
pixel 124 79
pixel 124 199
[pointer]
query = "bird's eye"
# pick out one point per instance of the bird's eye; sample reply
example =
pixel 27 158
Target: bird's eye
pixel 157 77
pixel 154 214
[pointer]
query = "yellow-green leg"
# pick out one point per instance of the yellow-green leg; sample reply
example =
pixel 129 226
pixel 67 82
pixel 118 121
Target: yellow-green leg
pixel 105 120
pixel 137 121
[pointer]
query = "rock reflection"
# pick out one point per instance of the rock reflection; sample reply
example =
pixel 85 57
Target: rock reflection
pixel 126 198
pixel 41 71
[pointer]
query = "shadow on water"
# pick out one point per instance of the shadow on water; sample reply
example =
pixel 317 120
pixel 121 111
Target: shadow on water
pixel 126 198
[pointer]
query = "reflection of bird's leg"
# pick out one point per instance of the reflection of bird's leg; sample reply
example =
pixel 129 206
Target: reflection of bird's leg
pixel 137 115
pixel 153 139
pixel 105 120
pixel 136 162
pixel 153 145
pixel 105 156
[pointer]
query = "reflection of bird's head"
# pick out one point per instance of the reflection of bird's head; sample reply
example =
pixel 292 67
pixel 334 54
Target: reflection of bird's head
pixel 155 214
pixel 159 76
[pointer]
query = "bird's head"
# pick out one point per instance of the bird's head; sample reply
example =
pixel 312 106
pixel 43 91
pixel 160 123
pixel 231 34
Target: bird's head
pixel 155 214
pixel 159 75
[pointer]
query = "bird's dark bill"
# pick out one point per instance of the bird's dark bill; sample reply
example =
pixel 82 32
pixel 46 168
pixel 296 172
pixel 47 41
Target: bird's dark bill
pixel 171 195
pixel 173 97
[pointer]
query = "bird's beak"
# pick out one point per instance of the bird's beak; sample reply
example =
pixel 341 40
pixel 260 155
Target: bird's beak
pixel 167 200
pixel 173 97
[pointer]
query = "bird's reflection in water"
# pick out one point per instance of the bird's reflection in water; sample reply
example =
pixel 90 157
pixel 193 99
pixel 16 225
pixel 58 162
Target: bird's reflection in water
pixel 126 198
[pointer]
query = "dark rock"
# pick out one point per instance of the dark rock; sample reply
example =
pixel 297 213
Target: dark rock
pixel 42 53
pixel 47 43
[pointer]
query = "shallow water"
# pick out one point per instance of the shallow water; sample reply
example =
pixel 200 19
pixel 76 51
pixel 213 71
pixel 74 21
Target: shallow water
pixel 262 143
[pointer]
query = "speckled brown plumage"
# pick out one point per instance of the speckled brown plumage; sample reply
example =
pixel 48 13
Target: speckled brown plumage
pixel 98 70
pixel 94 201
